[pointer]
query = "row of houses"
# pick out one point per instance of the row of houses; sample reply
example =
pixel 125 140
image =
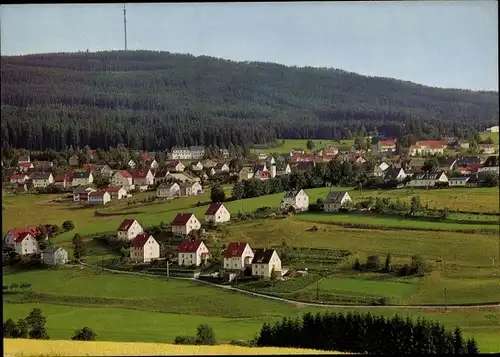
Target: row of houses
pixel 429 147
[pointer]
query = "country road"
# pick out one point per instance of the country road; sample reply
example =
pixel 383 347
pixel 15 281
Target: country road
pixel 312 304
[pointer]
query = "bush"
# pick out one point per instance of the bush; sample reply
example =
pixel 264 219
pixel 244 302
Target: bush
pixel 185 340
pixel 205 335
pixel 68 225
pixel 405 270
pixel 84 334
pixel 372 262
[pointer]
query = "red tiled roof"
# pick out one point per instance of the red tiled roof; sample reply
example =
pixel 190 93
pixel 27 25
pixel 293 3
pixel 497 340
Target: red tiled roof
pixel 21 236
pixel 26 164
pixel 387 142
pixel 264 174
pixel 125 226
pixel 18 232
pixel 60 178
pixel 112 189
pixel 18 177
pixel 125 173
pixel 140 240
pixel 432 144
pixel 235 249
pixel 214 207
pixel 97 193
pixel 181 219
pixel 485 146
pixel 139 173
pixel 188 246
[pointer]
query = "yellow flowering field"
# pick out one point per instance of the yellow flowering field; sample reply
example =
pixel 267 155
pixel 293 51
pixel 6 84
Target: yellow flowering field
pixel 22 347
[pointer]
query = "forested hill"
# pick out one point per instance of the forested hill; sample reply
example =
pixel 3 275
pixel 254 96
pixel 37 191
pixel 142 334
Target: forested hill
pixel 153 100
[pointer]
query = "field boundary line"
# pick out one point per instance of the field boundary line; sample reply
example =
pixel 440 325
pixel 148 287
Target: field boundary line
pixel 311 304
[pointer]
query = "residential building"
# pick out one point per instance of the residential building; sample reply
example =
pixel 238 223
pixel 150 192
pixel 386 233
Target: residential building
pixel 458 181
pixel 283 169
pixel 225 153
pixel 23 159
pixel 197 152
pixel 486 148
pixel 179 153
pixel 82 178
pixel 468 160
pixel 167 190
pixel 190 188
pixel 124 179
pixel 335 200
pixel 152 164
pixel 491 164
pixel 14 233
pixel 246 173
pixel 100 197
pixel 144 248
pixel 161 176
pixel 42 179
pixel 197 166
pixel 184 223
pixel 394 174
pixel 74 161
pixel 221 167
pixel 131 164
pixel 427 147
pixel 427 179
pixel 43 165
pixel 493 129
pixel 447 164
pixel 264 262
pixel 262 175
pixel 19 178
pixel 328 152
pixel 217 213
pixel 141 178
pixel 116 193
pixel 63 180
pixel 25 166
pixel 176 166
pixel 53 255
pixel 463 145
pixel 129 229
pixel 297 199
pixel 192 253
pixel 25 243
pixel 81 194
pixel 238 256
pixel 384 146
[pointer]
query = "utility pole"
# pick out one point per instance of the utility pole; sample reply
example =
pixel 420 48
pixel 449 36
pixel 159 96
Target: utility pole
pixel 168 272
pixel 125 24
pixel 445 299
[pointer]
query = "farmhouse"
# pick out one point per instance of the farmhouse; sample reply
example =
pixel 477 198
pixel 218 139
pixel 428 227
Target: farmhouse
pixel 192 253
pixel 190 188
pixel 53 256
pixel 168 190
pixel 458 181
pixel 15 233
pixel 141 178
pixel 384 146
pixel 335 200
pixel 176 166
pixel 82 178
pixel 427 179
pixel 129 229
pixel 100 197
pixel 42 179
pixel 81 194
pixel 161 176
pixel 217 213
pixel 123 178
pixel 116 193
pixel 144 248
pixel 25 166
pixel 238 256
pixel 25 243
pixel 184 223
pixel 74 161
pixel 299 200
pixel 265 262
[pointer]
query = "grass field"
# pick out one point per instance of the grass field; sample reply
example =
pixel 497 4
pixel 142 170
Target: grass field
pixel 292 144
pixel 22 347
pixel 126 308
pixel 493 136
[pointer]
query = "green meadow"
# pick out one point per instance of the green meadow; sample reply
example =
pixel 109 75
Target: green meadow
pixel 493 136
pixel 287 145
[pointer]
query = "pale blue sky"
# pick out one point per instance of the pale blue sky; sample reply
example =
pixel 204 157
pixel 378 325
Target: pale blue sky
pixel 444 44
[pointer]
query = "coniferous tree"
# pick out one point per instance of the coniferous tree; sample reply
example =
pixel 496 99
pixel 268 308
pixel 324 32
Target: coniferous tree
pixel 472 348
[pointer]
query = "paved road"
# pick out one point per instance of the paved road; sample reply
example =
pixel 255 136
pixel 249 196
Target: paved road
pixel 299 303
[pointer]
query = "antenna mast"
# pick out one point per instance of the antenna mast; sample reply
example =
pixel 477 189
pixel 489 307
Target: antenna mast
pixel 125 24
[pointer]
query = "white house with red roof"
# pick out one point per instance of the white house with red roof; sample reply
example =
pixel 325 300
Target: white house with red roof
pixel 384 146
pixel 81 194
pixel 184 223
pixel 152 164
pixel 122 178
pixel 427 147
pixel 25 166
pixel 14 233
pixel 63 180
pixel 192 253
pixel 100 197
pixel 129 229
pixel 142 178
pixel 144 248
pixel 238 256
pixel 217 213
pixel 25 243
pixel 116 193
pixel 19 178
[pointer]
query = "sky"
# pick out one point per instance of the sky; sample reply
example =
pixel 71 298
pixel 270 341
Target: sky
pixel 441 44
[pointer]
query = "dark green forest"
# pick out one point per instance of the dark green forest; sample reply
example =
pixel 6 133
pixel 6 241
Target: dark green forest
pixel 154 100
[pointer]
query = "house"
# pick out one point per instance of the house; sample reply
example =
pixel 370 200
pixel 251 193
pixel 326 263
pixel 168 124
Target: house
pixel 462 144
pixel 82 178
pixel 486 148
pixel 190 188
pixel 304 165
pixel 262 175
pixel 53 255
pixel 246 173
pixel 384 146
pixel 197 152
pixel 25 243
pixel 14 234
pixel 25 166
pixel 74 161
pixel 427 147
pixel 180 176
pixel 184 223
pixel 42 179
pixel 328 152
pixel 427 179
pixel 379 170
pixel 335 200
pixel 161 176
pixel 197 166
pixel 23 159
pixel 100 197
pixel 468 160
pixel 225 153
pixel 221 167
pixel 493 129
pixel 144 248
pixel 447 164
pixel 106 171
pixel 131 164
pixel 152 164
pixel 19 178
pixel 129 229
pixel 262 156
pixel 283 169
pixel 63 180
pixel 168 190
pixel 179 153
pixel 189 177
pixel 192 253
pixel 217 213
pixel 141 178
pixel 299 200
pixel 176 166
pixel 471 169
pixel 209 171
pixel 43 165
pixel 458 181
pixel 238 256
pixel 265 262
pixel 116 193
pixel 394 174
pixel 491 164
pixel 81 194
pixel 207 163
pixel 123 178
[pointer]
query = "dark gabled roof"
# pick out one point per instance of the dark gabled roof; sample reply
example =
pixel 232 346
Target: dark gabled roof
pixel 427 176
pixel 161 174
pixel 491 161
pixel 167 186
pixel 125 225
pixel 305 165
pixel 262 256
pixel 459 178
pixel 446 161
pixel 181 219
pixel 468 160
pixel 213 208
pixel 235 249
pixel 281 165
pixel 334 196
pixel 392 172
pixel 81 175
pixel 40 175
pixel 51 249
pixel 292 194
pixel 140 240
